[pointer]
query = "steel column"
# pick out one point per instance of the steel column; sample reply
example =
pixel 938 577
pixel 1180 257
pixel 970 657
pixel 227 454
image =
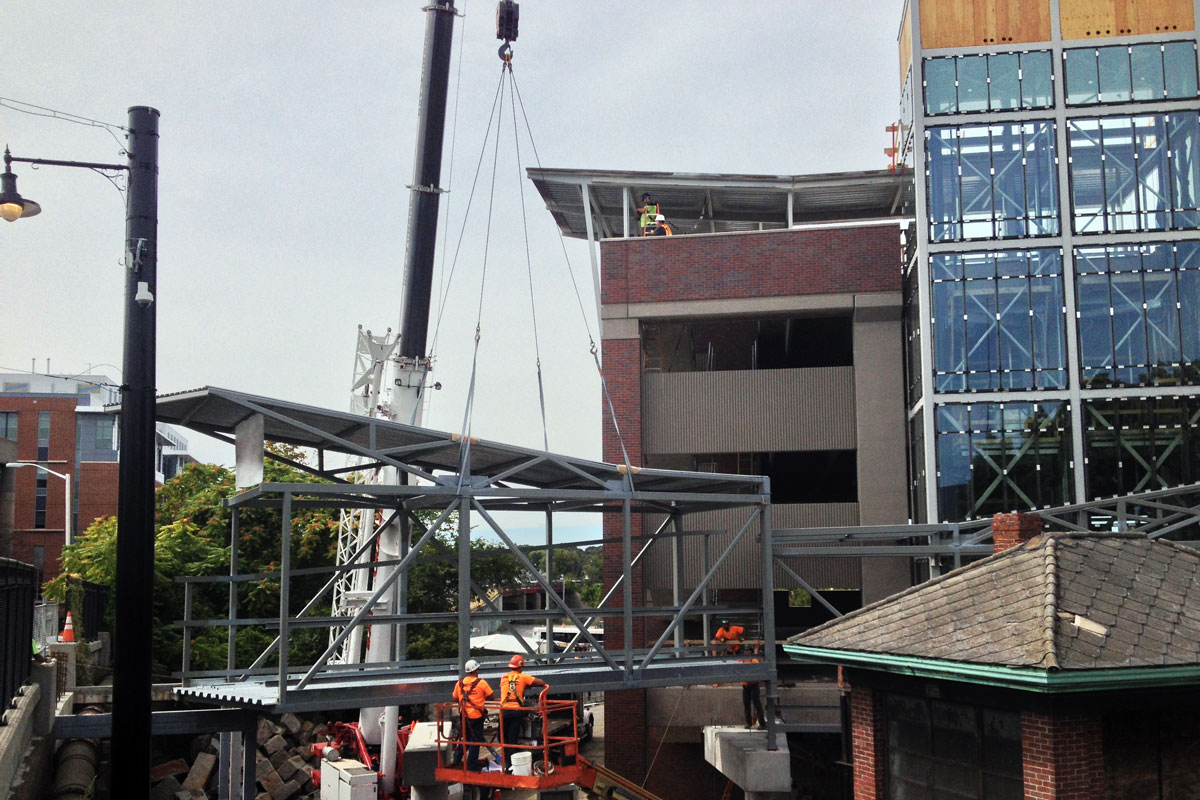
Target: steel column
pixel 285 568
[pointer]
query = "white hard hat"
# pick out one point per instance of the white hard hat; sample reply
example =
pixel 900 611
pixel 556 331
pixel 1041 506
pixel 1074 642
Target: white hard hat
pixel 660 218
pixel 471 665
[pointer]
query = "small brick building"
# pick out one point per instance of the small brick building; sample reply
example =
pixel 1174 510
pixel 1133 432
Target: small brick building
pixel 1063 666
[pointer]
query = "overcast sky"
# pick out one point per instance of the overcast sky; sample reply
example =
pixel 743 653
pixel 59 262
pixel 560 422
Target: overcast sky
pixel 287 137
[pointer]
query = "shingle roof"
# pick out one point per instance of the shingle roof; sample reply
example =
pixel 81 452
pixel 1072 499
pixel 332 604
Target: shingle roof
pixel 1058 602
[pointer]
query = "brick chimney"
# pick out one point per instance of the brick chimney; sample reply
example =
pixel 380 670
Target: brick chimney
pixel 1010 530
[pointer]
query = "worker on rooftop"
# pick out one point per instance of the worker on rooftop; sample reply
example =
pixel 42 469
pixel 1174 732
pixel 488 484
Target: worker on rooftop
pixel 513 704
pixel 661 228
pixel 471 692
pixel 649 210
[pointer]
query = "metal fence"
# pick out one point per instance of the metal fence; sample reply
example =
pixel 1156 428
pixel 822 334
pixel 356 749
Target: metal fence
pixel 18 588
pixel 95 601
pixel 45 624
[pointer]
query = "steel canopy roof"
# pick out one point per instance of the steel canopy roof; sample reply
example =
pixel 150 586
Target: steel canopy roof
pixel 217 412
pixel 721 203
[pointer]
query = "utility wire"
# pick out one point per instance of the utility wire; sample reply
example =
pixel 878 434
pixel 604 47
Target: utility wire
pixel 41 111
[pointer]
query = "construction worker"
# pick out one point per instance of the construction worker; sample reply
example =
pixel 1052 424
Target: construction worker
pixel 649 210
pixel 471 692
pixel 731 635
pixel 752 695
pixel 661 228
pixel 513 704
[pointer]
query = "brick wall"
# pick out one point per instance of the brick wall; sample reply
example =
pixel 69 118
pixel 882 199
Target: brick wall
pixel 625 731
pixel 760 264
pixel 97 492
pixel 1063 757
pixel 868 745
pixel 678 770
pixel 1010 530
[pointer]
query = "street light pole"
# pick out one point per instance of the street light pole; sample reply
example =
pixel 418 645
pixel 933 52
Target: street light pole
pixel 135 498
pixel 66 494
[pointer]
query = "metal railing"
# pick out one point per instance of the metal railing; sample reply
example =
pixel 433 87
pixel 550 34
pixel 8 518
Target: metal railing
pixel 45 624
pixel 95 601
pixel 18 588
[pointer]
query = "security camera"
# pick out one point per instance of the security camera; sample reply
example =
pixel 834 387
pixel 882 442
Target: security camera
pixel 144 296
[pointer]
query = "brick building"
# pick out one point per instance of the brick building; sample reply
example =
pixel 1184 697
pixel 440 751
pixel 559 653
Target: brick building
pixel 1065 666
pixel 61 424
pixel 764 337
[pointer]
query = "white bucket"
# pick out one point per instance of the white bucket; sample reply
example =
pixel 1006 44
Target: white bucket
pixel 522 763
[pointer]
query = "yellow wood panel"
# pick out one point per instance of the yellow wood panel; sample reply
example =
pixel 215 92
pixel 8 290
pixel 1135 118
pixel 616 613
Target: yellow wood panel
pixel 1091 19
pixel 905 47
pixel 1163 16
pixel 969 23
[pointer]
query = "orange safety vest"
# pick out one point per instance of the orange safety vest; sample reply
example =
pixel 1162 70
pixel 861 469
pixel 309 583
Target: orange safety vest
pixel 512 689
pixel 473 697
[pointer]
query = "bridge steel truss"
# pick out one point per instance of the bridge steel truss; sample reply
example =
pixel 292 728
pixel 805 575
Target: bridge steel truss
pixel 1171 513
pixel 463 484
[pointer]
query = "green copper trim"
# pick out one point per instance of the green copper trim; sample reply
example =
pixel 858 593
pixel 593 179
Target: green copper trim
pixel 1028 679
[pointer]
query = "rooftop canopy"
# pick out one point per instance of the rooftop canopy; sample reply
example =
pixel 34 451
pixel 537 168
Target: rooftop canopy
pixel 717 202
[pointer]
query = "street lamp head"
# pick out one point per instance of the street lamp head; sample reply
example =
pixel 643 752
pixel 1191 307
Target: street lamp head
pixel 12 205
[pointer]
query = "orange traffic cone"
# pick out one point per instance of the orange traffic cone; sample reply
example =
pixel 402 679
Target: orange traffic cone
pixel 68 634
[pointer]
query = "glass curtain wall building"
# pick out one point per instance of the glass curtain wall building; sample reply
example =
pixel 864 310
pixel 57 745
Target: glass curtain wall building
pixel 1053 292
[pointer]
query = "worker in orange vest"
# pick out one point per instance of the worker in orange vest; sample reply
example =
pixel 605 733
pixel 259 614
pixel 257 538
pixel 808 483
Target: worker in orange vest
pixel 731 635
pixel 513 704
pixel 471 692
pixel 752 695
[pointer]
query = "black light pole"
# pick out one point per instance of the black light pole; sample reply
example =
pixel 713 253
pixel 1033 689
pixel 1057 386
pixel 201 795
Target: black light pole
pixel 135 499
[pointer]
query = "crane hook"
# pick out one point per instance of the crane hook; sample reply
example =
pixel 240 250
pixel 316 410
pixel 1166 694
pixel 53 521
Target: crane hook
pixel 505 52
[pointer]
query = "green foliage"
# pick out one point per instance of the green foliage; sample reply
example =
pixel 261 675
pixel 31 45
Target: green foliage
pixel 582 568
pixel 193 532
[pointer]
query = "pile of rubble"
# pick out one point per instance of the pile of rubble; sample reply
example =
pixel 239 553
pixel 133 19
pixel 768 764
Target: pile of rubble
pixel 284 769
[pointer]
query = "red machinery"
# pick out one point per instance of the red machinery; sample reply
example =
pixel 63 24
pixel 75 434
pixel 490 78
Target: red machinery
pixel 348 741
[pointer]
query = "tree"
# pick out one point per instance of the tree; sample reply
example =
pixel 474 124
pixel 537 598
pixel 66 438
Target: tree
pixel 192 538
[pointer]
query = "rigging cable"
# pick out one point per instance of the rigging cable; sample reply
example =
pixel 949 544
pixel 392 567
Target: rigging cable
pixel 595 350
pixel 468 411
pixel 529 265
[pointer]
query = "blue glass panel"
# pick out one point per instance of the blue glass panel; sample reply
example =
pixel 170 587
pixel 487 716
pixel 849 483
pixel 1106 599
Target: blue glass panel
pixel 1095 328
pixel 1183 131
pixel 1045 262
pixel 1179 65
pixel 1041 179
pixel 1189 314
pixel 1129 326
pixel 946 266
pixel 949 348
pixel 1087 183
pixel 979 265
pixel 1125 258
pixel 1147 71
pixel 1120 177
pixel 1037 91
pixel 1114 74
pixel 945 210
pixel 983 356
pixel 1049 349
pixel 1187 255
pixel 1004 88
pixel 972 84
pixel 1091 259
pixel 1011 264
pixel 1083 84
pixel 976 161
pixel 954 473
pixel 1008 180
pixel 1153 169
pixel 1015 335
pixel 1162 322
pixel 1157 257
pixel 941 96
